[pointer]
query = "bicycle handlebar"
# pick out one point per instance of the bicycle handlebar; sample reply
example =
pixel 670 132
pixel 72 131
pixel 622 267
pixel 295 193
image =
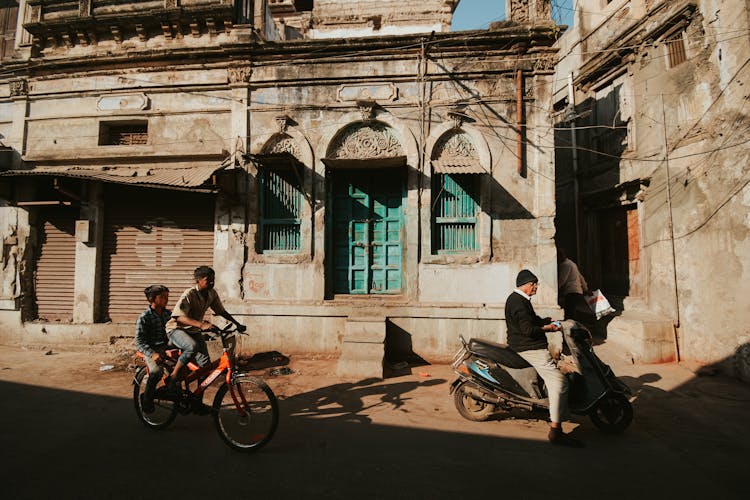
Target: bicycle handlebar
pixel 216 332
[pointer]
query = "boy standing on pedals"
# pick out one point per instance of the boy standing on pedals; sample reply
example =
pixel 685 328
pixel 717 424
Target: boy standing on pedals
pixel 151 339
pixel 186 324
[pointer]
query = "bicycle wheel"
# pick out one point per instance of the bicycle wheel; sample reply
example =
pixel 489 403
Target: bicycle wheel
pixel 165 410
pixel 246 413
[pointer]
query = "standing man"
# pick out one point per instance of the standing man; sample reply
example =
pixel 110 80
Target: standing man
pixel 571 289
pixel 527 336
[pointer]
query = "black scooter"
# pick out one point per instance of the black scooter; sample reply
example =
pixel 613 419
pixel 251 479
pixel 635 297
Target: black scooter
pixel 493 380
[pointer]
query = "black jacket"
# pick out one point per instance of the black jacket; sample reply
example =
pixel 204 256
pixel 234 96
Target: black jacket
pixel 524 326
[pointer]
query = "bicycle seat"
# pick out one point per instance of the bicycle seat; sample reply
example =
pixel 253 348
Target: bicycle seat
pixel 499 353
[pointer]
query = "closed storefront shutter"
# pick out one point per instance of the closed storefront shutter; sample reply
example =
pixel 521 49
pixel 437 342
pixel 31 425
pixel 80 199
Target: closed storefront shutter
pixel 55 268
pixel 152 237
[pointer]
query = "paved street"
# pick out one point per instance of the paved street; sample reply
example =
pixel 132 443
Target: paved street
pixel 69 431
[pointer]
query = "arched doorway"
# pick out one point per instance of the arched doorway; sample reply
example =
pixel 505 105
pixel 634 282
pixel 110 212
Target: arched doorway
pixel 365 232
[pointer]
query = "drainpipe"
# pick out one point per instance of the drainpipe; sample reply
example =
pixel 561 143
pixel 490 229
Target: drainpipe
pixel 574 155
pixel 670 224
pixel 519 120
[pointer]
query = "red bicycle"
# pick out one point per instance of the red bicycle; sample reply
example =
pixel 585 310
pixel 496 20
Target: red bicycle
pixel 245 410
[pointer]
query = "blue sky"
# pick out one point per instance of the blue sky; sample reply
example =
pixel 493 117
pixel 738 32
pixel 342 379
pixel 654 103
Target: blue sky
pixel 478 14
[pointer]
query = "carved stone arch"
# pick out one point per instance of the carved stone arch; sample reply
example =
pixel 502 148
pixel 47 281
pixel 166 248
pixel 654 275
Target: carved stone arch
pixel 267 142
pixel 403 133
pixel 282 143
pixel 467 134
pixel 365 140
pixel 454 144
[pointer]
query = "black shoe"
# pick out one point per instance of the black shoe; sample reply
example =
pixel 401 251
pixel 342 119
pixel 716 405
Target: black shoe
pixel 201 408
pixel 197 405
pixel 147 405
pixel 166 392
pixel 559 438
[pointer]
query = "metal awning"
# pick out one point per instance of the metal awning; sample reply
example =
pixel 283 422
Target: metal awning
pixel 388 162
pixel 186 179
pixel 457 166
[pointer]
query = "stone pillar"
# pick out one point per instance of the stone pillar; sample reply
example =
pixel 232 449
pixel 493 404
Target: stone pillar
pixel 89 234
pixel 230 233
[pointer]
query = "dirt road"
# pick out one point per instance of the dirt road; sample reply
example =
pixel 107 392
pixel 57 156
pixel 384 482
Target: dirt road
pixel 69 431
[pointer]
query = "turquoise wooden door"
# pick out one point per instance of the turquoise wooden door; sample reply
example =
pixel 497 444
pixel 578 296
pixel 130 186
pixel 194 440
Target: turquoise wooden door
pixel 367 232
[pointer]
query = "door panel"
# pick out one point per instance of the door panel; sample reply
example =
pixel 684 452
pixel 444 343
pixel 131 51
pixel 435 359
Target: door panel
pixel 367 232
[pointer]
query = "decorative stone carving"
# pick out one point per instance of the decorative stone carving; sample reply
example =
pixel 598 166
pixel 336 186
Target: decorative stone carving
pixel 170 4
pixel 283 122
pixel 123 102
pixel 19 88
pixel 83 8
pixel 365 141
pixel 455 145
pixel 519 10
pixel 35 12
pixel 282 143
pixel 458 118
pixel 376 91
pixel 545 62
pixel 543 9
pixel 366 109
pixel 523 11
pixel 239 74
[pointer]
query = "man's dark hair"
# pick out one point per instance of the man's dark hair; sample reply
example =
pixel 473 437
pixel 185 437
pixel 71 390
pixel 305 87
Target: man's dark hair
pixel 203 272
pixel 154 291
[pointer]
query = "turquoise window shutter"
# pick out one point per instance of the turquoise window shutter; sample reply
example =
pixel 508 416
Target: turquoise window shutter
pixel 455 207
pixel 281 208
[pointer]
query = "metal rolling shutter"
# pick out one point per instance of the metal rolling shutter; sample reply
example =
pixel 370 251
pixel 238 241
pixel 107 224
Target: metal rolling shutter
pixel 152 237
pixel 56 266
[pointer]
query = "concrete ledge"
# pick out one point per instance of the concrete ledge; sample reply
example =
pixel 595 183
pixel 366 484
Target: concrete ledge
pixel 364 330
pixel 645 337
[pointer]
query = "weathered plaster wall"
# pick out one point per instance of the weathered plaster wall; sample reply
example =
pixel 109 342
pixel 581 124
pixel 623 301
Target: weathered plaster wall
pixel 696 112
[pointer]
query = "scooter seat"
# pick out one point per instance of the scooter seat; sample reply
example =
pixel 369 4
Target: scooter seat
pixel 499 353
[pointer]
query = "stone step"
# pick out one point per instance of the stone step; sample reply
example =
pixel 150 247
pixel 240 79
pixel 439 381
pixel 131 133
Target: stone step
pixel 362 348
pixel 645 337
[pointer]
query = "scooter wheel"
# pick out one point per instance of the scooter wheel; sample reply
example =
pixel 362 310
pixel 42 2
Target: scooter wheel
pixel 612 413
pixel 469 407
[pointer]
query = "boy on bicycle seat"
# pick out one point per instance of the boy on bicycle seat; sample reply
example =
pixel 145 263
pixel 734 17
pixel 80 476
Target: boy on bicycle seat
pixel 187 322
pixel 151 339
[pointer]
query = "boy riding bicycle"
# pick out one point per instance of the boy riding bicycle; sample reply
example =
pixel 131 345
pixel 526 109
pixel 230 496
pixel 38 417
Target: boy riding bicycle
pixel 151 339
pixel 186 324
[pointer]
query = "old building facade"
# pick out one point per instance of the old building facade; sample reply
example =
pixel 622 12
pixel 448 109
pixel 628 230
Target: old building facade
pixel 652 171
pixel 349 192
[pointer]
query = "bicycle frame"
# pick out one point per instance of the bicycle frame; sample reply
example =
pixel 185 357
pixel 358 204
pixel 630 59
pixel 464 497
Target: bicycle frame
pixel 214 370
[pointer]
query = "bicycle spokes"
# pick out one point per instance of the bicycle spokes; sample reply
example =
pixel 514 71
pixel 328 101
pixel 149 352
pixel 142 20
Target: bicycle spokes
pixel 246 413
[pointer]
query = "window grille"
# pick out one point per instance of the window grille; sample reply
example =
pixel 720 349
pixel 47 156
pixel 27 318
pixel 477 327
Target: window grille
pixel 455 208
pixel 676 49
pixel 281 207
pixel 126 134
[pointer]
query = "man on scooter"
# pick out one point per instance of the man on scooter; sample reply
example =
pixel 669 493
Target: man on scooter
pixel 527 336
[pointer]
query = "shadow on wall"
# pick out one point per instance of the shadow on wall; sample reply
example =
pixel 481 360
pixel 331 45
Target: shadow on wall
pixel 736 366
pixel 399 352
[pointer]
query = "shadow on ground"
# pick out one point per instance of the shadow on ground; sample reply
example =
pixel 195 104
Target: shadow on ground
pixel 70 444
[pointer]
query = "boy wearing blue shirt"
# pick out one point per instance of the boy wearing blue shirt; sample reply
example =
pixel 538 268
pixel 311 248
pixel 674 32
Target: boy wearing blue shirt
pixel 151 339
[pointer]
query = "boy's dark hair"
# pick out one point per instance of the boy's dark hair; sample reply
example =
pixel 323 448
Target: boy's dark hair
pixel 154 291
pixel 203 272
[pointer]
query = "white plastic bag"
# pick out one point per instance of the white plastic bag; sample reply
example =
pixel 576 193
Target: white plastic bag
pixel 599 304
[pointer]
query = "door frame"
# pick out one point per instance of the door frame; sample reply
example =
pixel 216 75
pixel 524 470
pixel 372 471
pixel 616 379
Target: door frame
pixel 397 173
